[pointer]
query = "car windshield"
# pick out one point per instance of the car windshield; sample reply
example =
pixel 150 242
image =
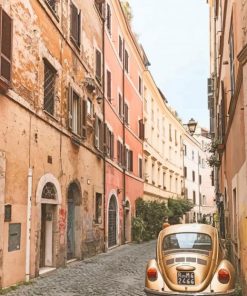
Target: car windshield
pixel 188 240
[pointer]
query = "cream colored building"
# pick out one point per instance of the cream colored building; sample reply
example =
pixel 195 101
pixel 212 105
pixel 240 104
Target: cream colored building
pixel 198 176
pixel 163 155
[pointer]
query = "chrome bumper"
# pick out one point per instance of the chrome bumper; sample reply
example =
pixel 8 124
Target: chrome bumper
pixel 150 292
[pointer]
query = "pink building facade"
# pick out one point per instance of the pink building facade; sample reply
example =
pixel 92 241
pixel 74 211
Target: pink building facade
pixel 124 121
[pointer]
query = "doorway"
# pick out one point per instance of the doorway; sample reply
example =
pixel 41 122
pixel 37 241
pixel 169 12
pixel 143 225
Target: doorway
pixel 112 222
pixel 46 237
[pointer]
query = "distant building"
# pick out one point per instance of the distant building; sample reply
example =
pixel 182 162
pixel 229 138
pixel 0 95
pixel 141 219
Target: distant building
pixel 163 156
pixel 198 181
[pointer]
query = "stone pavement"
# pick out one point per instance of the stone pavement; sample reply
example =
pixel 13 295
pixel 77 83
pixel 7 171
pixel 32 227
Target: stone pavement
pixel 118 272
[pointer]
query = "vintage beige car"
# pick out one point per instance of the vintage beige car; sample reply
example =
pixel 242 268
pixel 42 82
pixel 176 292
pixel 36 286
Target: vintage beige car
pixel 189 261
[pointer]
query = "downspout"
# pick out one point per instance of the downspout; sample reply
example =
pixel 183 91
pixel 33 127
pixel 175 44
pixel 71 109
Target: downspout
pixel 29 212
pixel 104 160
pixel 124 167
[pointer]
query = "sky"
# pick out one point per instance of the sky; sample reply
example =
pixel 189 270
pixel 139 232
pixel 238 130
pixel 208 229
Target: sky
pixel 175 37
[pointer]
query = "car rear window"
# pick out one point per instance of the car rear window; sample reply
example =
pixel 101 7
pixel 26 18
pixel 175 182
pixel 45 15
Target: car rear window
pixel 187 240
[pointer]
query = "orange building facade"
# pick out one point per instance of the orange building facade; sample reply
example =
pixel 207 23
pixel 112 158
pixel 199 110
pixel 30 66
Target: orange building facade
pixel 227 104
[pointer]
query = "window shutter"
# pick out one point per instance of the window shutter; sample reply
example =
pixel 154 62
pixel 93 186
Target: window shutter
pixel 112 146
pixel 140 167
pixel 79 28
pixel 84 119
pixel 101 137
pixel 6 27
pixel 118 151
pixel 126 63
pixel 126 113
pixel 96 132
pixel 109 85
pixel 107 140
pixel 124 153
pixel 120 105
pixel 108 18
pixel 131 160
pixel 70 99
pixel 75 23
pixel 98 65
pixel 120 48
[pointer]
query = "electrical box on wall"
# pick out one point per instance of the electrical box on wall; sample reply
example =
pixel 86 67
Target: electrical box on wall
pixel 7 213
pixel 14 237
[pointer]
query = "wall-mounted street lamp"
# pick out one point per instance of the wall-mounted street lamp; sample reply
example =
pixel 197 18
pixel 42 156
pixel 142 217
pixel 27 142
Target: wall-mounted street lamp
pixel 192 126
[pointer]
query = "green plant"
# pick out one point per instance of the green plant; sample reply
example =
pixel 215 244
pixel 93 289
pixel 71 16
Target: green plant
pixel 138 228
pixel 177 208
pixel 213 160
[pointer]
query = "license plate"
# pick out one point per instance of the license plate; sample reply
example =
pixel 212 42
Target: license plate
pixel 186 278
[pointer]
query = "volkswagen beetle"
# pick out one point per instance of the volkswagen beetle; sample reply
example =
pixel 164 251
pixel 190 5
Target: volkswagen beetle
pixel 190 261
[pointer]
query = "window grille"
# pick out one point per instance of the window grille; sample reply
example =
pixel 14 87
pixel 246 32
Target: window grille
pixel 52 4
pixel 49 87
pixel 49 191
pixel 6 26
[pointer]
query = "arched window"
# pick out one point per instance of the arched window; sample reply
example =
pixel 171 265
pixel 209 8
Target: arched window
pixel 49 191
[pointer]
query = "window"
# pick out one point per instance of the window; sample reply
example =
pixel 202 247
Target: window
pixel 194 197
pixel 99 134
pixel 235 215
pixel 108 85
pixel 204 200
pixel 164 180
pixel 119 152
pixel 189 241
pixel 185 150
pixel 140 85
pixel 193 155
pixel 98 70
pixel 6 50
pixel 185 172
pixel 200 179
pixel 52 4
pixel 120 48
pixel 153 173
pixel 126 61
pixel 49 87
pixel 75 24
pixel 109 143
pixel 100 7
pixel 108 18
pixel 170 132
pixel 141 129
pixel 176 140
pixel 126 113
pixel 140 167
pixel 89 107
pixel 120 105
pixel 77 114
pixel 193 176
pixel 129 160
pixel 231 58
pixel 98 208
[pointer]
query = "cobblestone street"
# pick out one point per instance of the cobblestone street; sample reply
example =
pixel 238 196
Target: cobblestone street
pixel 118 272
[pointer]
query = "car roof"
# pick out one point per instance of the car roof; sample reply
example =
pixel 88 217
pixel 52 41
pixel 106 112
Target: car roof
pixel 192 227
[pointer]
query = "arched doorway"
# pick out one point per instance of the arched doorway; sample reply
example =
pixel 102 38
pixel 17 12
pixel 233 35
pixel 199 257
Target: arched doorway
pixel 112 222
pixel 48 214
pixel 127 221
pixel 73 217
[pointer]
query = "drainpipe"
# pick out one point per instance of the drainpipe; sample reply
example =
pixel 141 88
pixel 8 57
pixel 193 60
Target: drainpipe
pixel 104 159
pixel 124 168
pixel 28 230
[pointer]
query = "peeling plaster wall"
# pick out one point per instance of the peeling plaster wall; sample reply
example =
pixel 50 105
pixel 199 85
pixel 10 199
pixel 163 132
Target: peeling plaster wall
pixel 28 135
